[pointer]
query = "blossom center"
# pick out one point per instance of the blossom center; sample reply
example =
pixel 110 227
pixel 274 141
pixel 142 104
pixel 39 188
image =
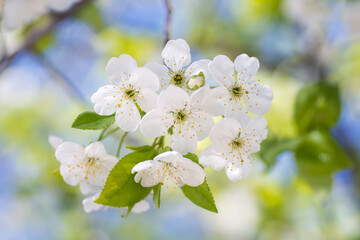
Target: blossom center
pixel 236 144
pixel 178 79
pixel 180 116
pixel 130 93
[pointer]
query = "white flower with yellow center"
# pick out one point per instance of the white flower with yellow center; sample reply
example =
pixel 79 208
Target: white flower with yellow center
pixel 232 144
pixel 169 166
pixel 238 89
pixel 176 56
pixel 87 166
pixel 132 87
pixel 180 115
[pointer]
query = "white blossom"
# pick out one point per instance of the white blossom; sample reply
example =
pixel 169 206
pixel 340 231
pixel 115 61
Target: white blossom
pixel 232 144
pixel 169 166
pixel 131 86
pixel 181 115
pixel 176 56
pixel 87 166
pixel 237 88
pixel 55 141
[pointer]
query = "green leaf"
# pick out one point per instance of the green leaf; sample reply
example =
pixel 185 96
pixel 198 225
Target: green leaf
pixel 271 148
pixel 157 193
pixel 120 189
pixel 193 157
pixel 93 121
pixel 141 148
pixel 201 196
pixel 318 157
pixel 317 106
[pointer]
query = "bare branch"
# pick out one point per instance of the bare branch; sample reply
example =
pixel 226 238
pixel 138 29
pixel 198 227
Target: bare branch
pixel 36 34
pixel 167 21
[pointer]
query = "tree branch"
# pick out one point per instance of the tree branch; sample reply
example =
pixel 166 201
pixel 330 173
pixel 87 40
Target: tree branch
pixel 38 33
pixel 167 21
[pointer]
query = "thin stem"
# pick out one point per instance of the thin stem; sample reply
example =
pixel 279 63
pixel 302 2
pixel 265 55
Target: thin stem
pixel 121 143
pixel 167 4
pixel 102 133
pixel 108 133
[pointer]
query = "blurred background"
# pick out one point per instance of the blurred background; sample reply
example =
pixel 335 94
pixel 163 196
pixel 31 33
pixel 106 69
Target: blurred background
pixel 306 180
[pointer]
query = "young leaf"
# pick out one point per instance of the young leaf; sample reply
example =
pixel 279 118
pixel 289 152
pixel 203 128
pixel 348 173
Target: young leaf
pixel 317 106
pixel 141 148
pixel 120 189
pixel 157 193
pixel 201 196
pixel 318 156
pixel 93 121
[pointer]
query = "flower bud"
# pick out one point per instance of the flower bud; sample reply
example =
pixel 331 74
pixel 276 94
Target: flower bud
pixel 195 82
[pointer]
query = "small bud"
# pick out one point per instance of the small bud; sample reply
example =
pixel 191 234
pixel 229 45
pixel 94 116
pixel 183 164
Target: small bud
pixel 195 82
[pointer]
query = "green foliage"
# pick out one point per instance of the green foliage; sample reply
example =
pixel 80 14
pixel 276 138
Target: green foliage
pixel 271 148
pixel 318 157
pixel 93 121
pixel 157 193
pixel 120 189
pixel 200 195
pixel 317 106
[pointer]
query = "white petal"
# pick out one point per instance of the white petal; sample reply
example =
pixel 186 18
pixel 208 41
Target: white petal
pixel 127 116
pixel 70 153
pixel 183 139
pixel 147 99
pixel 95 150
pixel 225 131
pixel 198 66
pixel 142 166
pixel 98 174
pixel 89 205
pixel 140 207
pixel 161 71
pixel 211 158
pixel 258 100
pixel 256 126
pixel 144 78
pixel 246 67
pixel 222 69
pixel 121 66
pixel 55 141
pixel 149 173
pixel 198 97
pixel 190 172
pixel 202 123
pixel 169 157
pixel 176 54
pixel 234 109
pixel 173 99
pixel 213 101
pixel 72 174
pixel 234 173
pixel 106 99
pixel 109 162
pixel 156 123
pixel 87 188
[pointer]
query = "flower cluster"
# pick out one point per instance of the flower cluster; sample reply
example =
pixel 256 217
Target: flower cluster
pixel 176 104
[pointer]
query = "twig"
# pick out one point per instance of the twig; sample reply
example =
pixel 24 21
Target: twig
pixel 167 21
pixel 36 34
pixel 121 143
